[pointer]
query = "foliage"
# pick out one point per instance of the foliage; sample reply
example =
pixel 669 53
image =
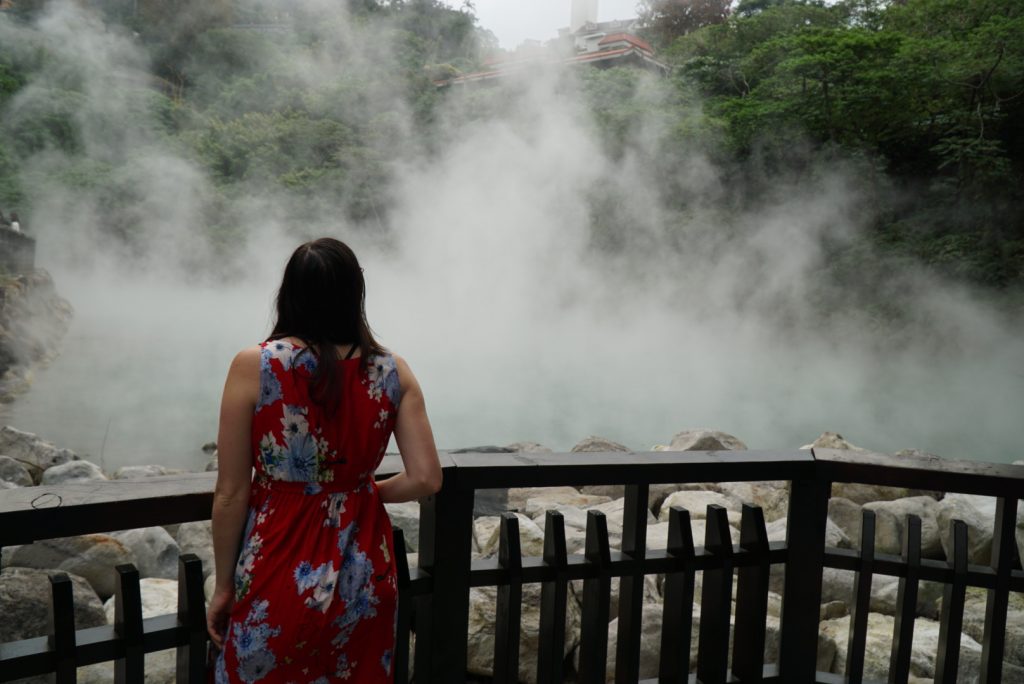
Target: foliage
pixel 666 20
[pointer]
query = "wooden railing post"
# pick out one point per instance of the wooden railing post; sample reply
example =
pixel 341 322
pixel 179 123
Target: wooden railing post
pixel 191 656
pixel 128 625
pixel 1004 550
pixel 403 617
pixel 596 600
pixel 445 548
pixel 510 600
pixel 951 619
pixel 631 586
pixel 677 606
pixel 751 599
pixel 859 609
pixel 715 600
pixel 553 602
pixel 805 557
pixel 906 604
pixel 63 639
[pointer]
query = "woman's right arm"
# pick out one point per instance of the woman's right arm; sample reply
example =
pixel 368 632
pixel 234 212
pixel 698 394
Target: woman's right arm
pixel 422 474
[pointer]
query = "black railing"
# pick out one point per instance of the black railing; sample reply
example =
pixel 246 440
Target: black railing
pixel 435 595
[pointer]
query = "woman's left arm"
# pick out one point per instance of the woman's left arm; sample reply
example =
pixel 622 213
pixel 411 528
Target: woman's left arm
pixel 234 478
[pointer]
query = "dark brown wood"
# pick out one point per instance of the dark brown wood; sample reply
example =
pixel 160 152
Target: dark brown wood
pixel 677 603
pixel 191 655
pixel 445 553
pixel 861 605
pixel 751 599
pixel 403 615
pixel 801 598
pixel 631 587
pixel 510 598
pixel 63 639
pixel 128 625
pixel 952 616
pixel 906 604
pixel 553 602
pixel 1004 550
pixel 596 599
pixel 715 600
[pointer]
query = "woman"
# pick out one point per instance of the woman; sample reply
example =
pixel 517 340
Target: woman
pixel 312 594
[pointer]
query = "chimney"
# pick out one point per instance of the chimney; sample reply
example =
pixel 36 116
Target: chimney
pixel 583 12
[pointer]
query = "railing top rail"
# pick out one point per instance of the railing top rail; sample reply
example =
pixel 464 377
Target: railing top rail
pixel 939 474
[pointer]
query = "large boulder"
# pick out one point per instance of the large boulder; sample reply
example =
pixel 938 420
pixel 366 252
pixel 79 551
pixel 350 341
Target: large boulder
pixel 72 472
pixel 159 597
pixel 480 643
pixel 600 444
pixel 136 472
pixel 771 496
pixel 407 517
pixel 891 522
pixel 528 448
pixel 35 454
pixel 91 556
pixel 848 517
pixel 25 596
pixel 14 472
pixel 834 535
pixel 705 440
pixel 697 502
pixel 536 506
pixel 974 622
pixel 531 538
pixel 155 551
pixel 978 512
pixel 196 537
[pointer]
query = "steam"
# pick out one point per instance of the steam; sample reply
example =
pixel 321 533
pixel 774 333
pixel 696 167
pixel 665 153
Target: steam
pixel 521 322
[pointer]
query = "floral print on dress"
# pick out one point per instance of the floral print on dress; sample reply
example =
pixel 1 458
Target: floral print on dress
pixel 316 595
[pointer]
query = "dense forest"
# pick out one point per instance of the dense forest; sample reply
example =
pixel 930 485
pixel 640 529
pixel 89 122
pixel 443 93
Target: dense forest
pixel 922 101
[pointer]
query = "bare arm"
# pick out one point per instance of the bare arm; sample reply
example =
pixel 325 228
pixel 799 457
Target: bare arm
pixel 234 476
pixel 422 474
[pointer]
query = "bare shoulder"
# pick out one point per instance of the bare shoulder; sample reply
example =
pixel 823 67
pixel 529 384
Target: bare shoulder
pixel 247 359
pixel 406 379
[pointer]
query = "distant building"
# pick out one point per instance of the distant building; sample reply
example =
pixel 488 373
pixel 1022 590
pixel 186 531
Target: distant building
pixel 586 41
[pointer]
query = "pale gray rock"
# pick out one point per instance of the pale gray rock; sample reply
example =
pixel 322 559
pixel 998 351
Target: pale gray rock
pixel 834 535
pixel 528 448
pixel 25 597
pixel 13 472
pixel 832 440
pixel 72 472
pixel 155 551
pixel 891 523
pixel 159 597
pixel 483 529
pixel 697 502
pixel 407 517
pixel 594 443
pixel 531 538
pixel 974 622
pixel 195 537
pixel 848 517
pixel 700 439
pixel 35 454
pixel 885 591
pixel 879 640
pixel 480 643
pixel 137 472
pixel 833 610
pixel 213 463
pixel 4 484
pixel 536 506
pixel 91 556
pixel 772 496
pixel 978 512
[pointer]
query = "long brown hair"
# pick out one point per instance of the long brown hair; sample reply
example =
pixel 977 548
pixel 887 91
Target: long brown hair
pixel 322 301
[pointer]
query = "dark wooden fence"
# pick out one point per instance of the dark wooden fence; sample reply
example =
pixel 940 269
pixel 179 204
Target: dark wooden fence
pixel 434 596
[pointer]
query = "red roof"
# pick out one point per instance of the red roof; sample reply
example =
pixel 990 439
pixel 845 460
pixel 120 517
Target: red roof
pixel 628 38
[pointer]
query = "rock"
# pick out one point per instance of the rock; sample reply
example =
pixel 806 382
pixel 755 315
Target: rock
pixel 407 517
pixel 213 464
pixel 159 597
pixel 34 454
pixel 697 502
pixel 834 535
pixel 978 512
pixel 528 448
pixel 847 516
pixel 833 610
pixel 195 537
pixel 705 440
pixel 593 443
pixel 14 472
pixel 140 471
pixel 155 551
pixel 518 496
pixel 864 494
pixel 91 556
pixel 531 538
pixel 480 643
pixel 974 622
pixel 885 591
pixel 890 523
pixel 4 484
pixel 879 640
pixel 72 472
pixel 209 584
pixel 831 440
pixel 209 448
pixel 483 529
pixel 25 596
pixel 537 506
pixel 650 642
pixel 771 496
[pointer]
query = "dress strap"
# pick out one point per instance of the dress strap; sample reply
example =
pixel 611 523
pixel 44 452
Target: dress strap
pixel 351 351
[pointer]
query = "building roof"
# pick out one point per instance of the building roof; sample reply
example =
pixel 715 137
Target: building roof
pixel 632 39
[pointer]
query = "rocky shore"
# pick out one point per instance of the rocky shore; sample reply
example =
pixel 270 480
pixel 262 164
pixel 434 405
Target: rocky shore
pixel 33 321
pixel 27 461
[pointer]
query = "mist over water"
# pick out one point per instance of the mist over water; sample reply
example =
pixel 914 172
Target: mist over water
pixel 520 322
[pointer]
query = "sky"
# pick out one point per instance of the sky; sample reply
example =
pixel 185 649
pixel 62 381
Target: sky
pixel 514 21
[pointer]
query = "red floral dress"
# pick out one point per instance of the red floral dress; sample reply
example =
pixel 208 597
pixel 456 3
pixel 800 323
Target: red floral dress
pixel 315 590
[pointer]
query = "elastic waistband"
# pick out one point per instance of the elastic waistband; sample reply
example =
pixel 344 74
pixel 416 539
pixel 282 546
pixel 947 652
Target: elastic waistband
pixel 312 488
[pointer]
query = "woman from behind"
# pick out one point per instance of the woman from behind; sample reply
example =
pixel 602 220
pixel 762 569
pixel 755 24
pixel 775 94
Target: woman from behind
pixel 305 579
